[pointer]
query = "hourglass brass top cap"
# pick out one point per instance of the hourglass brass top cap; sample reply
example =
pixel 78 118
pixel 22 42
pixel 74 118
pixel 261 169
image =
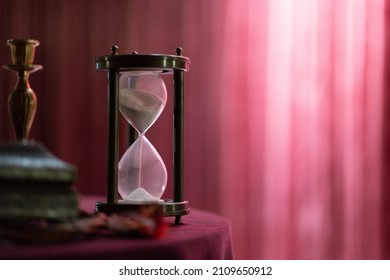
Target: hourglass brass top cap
pixel 135 61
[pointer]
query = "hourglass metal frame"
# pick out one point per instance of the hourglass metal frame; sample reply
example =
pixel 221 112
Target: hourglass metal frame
pixel 114 64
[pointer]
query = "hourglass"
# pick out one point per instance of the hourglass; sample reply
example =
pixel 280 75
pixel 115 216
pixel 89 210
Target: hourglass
pixel 136 90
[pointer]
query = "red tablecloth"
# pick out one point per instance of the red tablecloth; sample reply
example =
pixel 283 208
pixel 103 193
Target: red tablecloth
pixel 203 235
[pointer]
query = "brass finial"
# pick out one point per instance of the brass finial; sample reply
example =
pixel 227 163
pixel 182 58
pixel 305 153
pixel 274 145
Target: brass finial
pixel 114 50
pixel 179 51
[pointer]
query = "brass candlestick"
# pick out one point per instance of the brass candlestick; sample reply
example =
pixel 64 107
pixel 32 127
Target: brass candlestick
pixel 22 101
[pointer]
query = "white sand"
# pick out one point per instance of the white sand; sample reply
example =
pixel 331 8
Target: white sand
pixel 140 194
pixel 140 108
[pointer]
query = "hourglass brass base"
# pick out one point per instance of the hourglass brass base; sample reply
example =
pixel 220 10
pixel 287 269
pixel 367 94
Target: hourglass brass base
pixel 168 208
pixel 176 209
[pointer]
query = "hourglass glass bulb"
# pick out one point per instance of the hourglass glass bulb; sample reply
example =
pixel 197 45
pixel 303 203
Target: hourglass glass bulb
pixel 143 100
pixel 142 175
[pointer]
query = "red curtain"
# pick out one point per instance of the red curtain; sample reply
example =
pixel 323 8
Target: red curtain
pixel 286 110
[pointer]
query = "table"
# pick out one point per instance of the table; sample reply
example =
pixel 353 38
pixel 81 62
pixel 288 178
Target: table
pixel 203 235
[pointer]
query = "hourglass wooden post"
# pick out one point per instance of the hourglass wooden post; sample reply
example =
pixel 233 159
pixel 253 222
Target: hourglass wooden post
pixel 137 90
pixel 112 155
pixel 178 135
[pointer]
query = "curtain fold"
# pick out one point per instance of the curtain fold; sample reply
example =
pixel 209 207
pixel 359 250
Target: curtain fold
pixel 285 104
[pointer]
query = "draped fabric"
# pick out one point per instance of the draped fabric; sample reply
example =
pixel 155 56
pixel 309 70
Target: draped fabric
pixel 286 110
